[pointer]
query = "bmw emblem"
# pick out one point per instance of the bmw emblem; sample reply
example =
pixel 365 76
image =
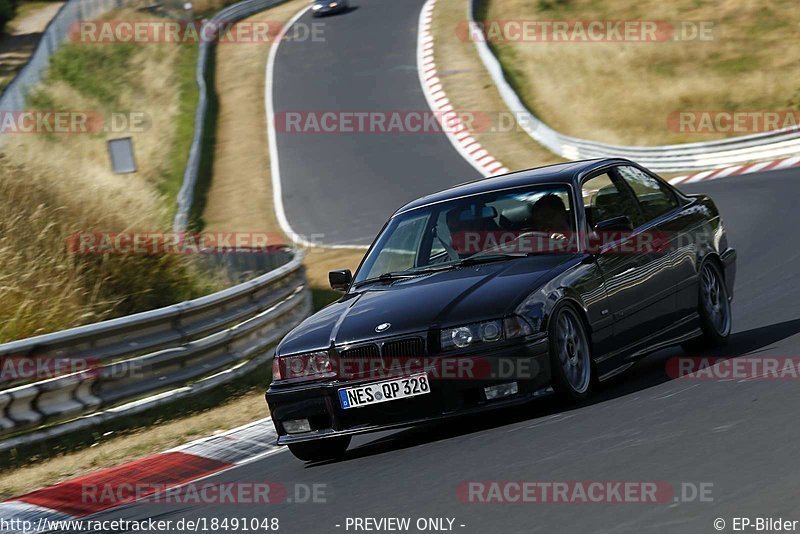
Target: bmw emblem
pixel 383 327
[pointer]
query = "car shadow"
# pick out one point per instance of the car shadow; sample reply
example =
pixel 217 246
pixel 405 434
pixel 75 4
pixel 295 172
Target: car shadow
pixel 345 11
pixel 647 373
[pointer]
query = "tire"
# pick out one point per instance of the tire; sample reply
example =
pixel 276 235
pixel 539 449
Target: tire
pixel 570 355
pixel 714 308
pixel 321 449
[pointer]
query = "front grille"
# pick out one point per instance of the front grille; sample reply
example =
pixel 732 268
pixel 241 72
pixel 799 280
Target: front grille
pixel 412 347
pixel 366 352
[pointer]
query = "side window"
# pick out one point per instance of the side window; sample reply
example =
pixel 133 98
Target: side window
pixel 654 197
pixel 603 200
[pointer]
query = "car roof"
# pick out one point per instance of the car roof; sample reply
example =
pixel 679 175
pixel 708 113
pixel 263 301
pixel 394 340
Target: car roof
pixel 567 173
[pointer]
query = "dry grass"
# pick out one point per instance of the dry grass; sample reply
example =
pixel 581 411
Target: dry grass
pixel 36 268
pixel 469 88
pixel 240 197
pixel 56 184
pixel 624 92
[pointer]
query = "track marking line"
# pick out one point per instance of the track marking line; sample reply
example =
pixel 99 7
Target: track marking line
pixel 272 143
pixel 456 132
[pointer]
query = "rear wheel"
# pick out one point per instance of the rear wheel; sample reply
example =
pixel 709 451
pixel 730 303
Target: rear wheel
pixel 570 359
pixel 321 449
pixel 714 308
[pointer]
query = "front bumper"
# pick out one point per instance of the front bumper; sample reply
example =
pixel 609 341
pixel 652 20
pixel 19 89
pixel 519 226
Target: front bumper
pixel 527 364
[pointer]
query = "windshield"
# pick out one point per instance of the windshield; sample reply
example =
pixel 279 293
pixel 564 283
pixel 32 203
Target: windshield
pixel 528 220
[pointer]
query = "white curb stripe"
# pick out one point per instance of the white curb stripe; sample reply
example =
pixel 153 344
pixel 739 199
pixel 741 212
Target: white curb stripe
pixel 274 159
pixel 16 512
pixel 735 170
pixel 459 136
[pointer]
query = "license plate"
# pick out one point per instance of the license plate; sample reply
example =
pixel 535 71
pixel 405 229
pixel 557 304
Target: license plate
pixel 400 388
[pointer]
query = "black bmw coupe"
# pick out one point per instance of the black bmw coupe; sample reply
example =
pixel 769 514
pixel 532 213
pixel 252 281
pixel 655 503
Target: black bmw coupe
pixel 487 294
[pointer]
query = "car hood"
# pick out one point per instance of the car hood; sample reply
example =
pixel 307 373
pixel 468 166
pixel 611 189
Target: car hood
pixel 459 296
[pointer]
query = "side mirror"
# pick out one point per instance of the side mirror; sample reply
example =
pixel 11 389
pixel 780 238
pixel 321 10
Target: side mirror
pixel 340 280
pixel 622 223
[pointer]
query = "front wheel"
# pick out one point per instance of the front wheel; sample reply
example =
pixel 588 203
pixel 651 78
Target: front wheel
pixel 321 449
pixel 714 308
pixel 570 359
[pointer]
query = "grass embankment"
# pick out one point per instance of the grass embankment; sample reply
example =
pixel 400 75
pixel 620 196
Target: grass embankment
pixel 624 92
pixel 56 184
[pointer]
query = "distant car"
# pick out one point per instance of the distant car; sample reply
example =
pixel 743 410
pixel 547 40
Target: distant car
pixel 329 7
pixel 486 294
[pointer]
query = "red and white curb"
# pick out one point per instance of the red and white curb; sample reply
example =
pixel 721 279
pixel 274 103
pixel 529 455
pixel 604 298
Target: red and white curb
pixel 455 129
pixel 168 470
pixel 714 174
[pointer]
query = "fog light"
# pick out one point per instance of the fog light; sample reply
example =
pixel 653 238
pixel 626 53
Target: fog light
pixel 502 390
pixel 297 426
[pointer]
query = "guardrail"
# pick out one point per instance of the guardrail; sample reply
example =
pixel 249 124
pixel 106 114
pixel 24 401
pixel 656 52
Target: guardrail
pixel 665 158
pixel 143 360
pixel 231 13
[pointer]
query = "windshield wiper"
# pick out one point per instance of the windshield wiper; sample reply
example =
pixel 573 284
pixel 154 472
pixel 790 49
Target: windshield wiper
pixel 400 275
pixel 411 273
pixel 488 258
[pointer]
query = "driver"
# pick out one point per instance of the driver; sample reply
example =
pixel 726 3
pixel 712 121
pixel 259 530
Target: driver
pixel 550 216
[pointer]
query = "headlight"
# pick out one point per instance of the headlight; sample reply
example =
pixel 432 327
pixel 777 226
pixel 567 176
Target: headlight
pixel 309 366
pixel 333 4
pixel 316 7
pixel 461 337
pixel 465 336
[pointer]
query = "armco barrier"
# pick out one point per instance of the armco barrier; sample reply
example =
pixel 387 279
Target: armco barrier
pixel 666 158
pixel 231 13
pixel 143 360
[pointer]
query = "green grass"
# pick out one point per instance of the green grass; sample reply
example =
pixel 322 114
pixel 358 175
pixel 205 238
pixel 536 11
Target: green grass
pixel 736 65
pixel 322 297
pixel 99 72
pixel 207 144
pixel 188 92
pixel 103 73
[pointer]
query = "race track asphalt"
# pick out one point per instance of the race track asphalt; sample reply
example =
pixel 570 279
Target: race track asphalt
pixel 739 436
pixel 339 188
